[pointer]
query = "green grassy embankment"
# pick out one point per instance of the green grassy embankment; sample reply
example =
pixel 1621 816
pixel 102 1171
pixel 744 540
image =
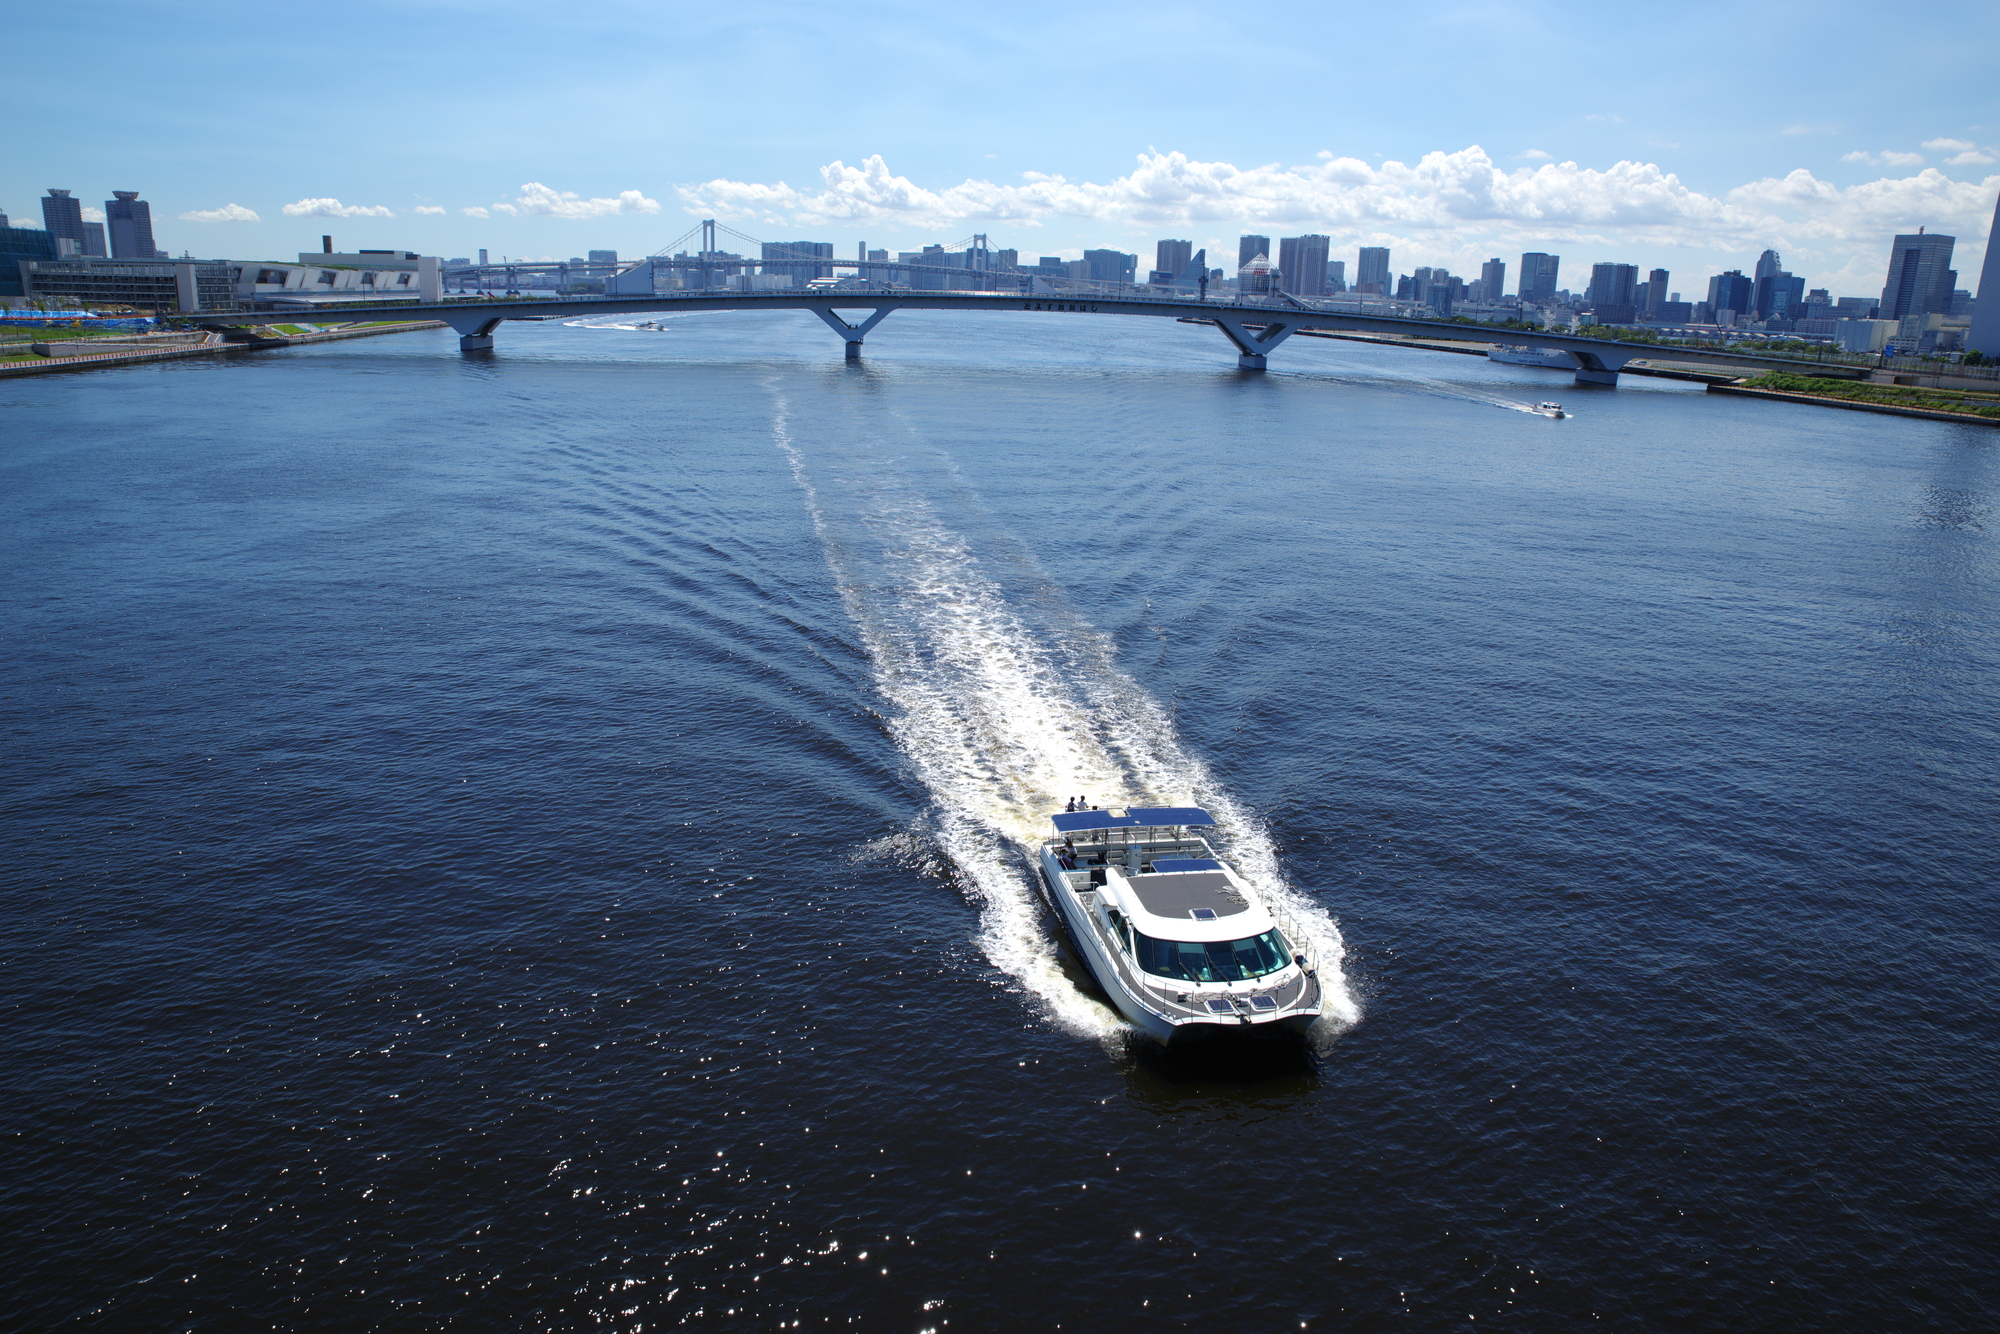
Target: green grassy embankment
pixel 1970 403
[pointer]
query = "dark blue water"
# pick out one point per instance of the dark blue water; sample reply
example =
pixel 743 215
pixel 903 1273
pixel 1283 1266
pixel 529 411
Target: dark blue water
pixel 527 841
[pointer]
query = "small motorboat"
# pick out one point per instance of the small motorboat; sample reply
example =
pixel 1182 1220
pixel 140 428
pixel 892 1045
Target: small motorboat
pixel 1550 409
pixel 1182 944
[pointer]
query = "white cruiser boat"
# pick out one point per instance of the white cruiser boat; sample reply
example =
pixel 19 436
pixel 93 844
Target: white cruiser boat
pixel 1180 942
pixel 1548 409
pixel 1550 358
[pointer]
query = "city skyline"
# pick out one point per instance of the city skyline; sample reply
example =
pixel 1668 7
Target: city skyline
pixel 1669 163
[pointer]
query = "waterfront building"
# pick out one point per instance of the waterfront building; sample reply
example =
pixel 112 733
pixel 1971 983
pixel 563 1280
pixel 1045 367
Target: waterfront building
pixel 19 246
pixel 1538 276
pixel 1864 335
pixel 157 285
pixel 1371 272
pixel 130 219
pixel 1984 335
pixel 1920 276
pixel 1336 276
pixel 1302 264
pixel 1250 247
pixel 1493 276
pixel 1173 257
pixel 1258 277
pixel 609 257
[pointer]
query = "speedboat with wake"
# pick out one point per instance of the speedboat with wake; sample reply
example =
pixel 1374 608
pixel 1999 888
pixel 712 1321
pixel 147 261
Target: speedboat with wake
pixel 1548 409
pixel 1182 944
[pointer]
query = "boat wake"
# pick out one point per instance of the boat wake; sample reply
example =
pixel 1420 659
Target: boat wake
pixel 1004 710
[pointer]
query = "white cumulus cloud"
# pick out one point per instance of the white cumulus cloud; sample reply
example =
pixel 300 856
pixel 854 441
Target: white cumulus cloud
pixel 227 213
pixel 1949 145
pixel 1971 157
pixel 540 201
pixel 333 208
pixel 475 212
pixel 1437 206
pixel 1465 189
pixel 430 208
pixel 1887 158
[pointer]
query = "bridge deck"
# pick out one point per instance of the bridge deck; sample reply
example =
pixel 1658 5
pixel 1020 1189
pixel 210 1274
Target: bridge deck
pixel 1255 327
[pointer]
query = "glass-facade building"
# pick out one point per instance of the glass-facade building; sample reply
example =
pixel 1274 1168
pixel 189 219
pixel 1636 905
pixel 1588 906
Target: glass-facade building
pixel 1538 276
pixel 19 246
pixel 157 285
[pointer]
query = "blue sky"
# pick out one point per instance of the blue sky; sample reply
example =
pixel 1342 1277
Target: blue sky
pixel 1687 136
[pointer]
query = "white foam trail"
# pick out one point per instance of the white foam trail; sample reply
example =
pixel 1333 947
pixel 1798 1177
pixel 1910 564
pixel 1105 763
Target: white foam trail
pixel 1003 723
pixel 628 323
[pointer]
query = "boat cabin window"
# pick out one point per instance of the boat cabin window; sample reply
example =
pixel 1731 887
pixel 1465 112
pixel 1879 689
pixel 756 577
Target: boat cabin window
pixel 1121 928
pixel 1213 960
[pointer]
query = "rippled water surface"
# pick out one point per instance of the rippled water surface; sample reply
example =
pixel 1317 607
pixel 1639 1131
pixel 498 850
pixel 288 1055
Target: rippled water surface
pixel 530 840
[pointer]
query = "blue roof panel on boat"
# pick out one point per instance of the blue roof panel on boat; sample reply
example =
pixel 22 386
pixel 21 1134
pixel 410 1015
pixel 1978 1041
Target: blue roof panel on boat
pixel 1158 815
pixel 1068 822
pixel 1139 817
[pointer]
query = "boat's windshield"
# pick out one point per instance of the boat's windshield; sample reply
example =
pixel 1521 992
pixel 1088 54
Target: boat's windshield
pixel 1212 960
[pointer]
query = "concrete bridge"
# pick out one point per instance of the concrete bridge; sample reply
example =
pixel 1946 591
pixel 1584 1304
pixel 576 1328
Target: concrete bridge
pixel 1254 328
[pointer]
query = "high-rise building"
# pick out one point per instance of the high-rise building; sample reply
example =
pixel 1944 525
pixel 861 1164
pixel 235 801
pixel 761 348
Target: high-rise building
pixel 1336 276
pixel 93 241
pixel 1250 247
pixel 604 257
pixel 1110 266
pixel 1371 272
pixel 131 221
pixel 1765 277
pixel 1920 276
pixel 482 254
pixel 1656 293
pixel 1302 264
pixel 1788 293
pixel 800 259
pixel 63 217
pixel 1493 277
pixel 1173 256
pixel 1984 335
pixel 1538 276
pixel 1613 293
pixel 1612 284
pixel 1729 291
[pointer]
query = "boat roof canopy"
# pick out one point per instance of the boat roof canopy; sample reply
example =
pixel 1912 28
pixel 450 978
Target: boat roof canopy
pixel 1136 817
